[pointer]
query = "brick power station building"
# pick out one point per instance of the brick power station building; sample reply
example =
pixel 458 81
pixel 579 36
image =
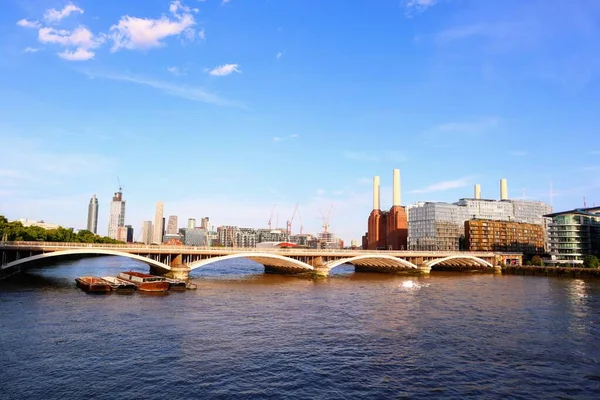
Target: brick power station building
pixel 387 229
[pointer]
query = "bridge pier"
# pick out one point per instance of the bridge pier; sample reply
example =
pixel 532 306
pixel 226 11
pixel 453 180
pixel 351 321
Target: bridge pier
pixel 320 269
pixel 181 272
pixel 497 269
pixel 423 269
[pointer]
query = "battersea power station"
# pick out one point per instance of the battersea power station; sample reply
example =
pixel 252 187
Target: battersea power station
pixel 387 229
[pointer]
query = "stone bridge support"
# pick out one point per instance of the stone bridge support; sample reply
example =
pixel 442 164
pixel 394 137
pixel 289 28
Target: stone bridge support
pixel 320 269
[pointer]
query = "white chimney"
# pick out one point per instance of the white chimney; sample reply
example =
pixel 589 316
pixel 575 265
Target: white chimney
pixel 503 189
pixel 376 193
pixel 478 191
pixel 397 195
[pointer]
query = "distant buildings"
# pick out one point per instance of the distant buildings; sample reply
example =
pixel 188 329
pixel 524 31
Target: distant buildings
pixel 387 229
pixel 574 234
pixel 28 222
pixel 116 217
pixel 205 223
pixel 129 233
pixel 147 232
pixel 159 221
pixel 92 220
pixel 172 225
pixel 441 226
pixel 191 223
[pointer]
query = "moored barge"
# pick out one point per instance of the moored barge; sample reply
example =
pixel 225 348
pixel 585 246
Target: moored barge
pixel 145 282
pixel 120 285
pixel 93 284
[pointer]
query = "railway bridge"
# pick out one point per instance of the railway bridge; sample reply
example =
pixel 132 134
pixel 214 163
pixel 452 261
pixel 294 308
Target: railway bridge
pixel 178 261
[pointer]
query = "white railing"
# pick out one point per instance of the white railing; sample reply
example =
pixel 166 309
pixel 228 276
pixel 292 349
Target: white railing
pixel 182 248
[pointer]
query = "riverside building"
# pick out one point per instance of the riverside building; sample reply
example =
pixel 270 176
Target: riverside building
pixel 441 226
pixel 574 234
pixel 92 220
pixel 116 217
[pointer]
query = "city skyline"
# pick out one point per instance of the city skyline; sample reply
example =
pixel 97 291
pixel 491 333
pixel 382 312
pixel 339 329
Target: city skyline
pixel 301 104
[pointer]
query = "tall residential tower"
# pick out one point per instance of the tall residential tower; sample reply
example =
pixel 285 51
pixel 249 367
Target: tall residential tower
pixel 92 222
pixel 116 217
pixel 159 223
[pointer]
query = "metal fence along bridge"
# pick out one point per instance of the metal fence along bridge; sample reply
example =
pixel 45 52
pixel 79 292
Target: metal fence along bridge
pixel 178 261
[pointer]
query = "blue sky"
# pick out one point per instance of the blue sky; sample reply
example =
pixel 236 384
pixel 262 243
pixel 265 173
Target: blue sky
pixel 226 108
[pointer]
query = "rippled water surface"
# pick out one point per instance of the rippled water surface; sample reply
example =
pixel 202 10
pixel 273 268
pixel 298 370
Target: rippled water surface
pixel 252 335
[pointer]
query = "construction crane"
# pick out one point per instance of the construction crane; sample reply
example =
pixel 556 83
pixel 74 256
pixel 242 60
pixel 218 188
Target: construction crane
pixel 326 219
pixel 300 219
pixel 120 187
pixel 291 220
pixel 271 217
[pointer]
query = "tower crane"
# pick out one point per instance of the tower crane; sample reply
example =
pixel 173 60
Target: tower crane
pixel 326 219
pixel 291 220
pixel 271 217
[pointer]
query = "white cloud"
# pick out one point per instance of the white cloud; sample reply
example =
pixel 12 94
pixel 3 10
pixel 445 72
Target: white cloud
pixel 224 70
pixel 135 33
pixel 202 34
pixel 444 185
pixel 225 1
pixel 77 55
pixel 279 139
pixel 82 39
pixel 28 24
pixel 186 92
pixel 279 55
pixel 53 15
pixel 31 50
pixel 412 6
pixel 176 71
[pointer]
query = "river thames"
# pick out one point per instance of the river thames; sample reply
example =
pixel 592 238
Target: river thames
pixel 246 334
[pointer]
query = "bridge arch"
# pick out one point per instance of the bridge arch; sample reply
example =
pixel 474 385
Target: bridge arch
pixel 87 251
pixel 266 259
pixel 477 260
pixel 373 260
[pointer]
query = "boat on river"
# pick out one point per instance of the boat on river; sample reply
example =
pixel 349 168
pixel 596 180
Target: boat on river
pixel 120 285
pixel 93 284
pixel 145 282
pixel 176 284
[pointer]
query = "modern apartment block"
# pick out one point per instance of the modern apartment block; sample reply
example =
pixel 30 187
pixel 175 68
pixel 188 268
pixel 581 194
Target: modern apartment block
pixel 117 215
pixel 574 234
pixel 159 223
pixel 519 237
pixel 441 226
pixel 234 236
pixel 436 226
pixel 92 220
pixel 147 231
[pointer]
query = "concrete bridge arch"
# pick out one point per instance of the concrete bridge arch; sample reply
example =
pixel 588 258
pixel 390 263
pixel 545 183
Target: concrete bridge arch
pixel 476 260
pixel 87 251
pixel 374 261
pixel 269 260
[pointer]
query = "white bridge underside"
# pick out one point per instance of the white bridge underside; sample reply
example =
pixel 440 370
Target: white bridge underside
pixel 278 262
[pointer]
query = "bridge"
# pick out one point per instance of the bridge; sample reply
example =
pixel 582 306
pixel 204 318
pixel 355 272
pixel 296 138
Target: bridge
pixel 178 261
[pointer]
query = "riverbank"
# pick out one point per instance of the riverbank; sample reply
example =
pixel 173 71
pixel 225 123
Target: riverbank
pixel 551 271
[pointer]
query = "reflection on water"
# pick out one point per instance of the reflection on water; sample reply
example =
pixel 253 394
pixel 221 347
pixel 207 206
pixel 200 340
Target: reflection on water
pixel 248 334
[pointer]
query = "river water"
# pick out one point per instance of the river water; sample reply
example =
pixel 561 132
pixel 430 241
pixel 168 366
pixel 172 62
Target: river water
pixel 247 334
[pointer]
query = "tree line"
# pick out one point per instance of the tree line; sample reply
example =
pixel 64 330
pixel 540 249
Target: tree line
pixel 15 231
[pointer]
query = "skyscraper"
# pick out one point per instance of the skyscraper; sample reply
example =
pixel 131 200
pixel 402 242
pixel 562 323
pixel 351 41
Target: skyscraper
pixel 147 232
pixel 116 217
pixel 159 223
pixel 172 225
pixel 191 223
pixel 92 222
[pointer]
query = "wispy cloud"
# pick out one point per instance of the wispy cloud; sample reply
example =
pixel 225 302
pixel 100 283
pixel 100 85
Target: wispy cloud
pixel 416 6
pixel 53 15
pixel 363 156
pixel 279 55
pixel 224 70
pixel 31 50
pixel 187 92
pixel 134 33
pixel 176 71
pixel 28 24
pixel 445 185
pixel 279 138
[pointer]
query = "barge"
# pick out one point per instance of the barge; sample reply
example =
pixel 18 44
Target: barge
pixel 145 282
pixel 120 285
pixel 93 284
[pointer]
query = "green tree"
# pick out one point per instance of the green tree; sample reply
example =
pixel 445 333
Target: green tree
pixel 537 261
pixel 591 261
